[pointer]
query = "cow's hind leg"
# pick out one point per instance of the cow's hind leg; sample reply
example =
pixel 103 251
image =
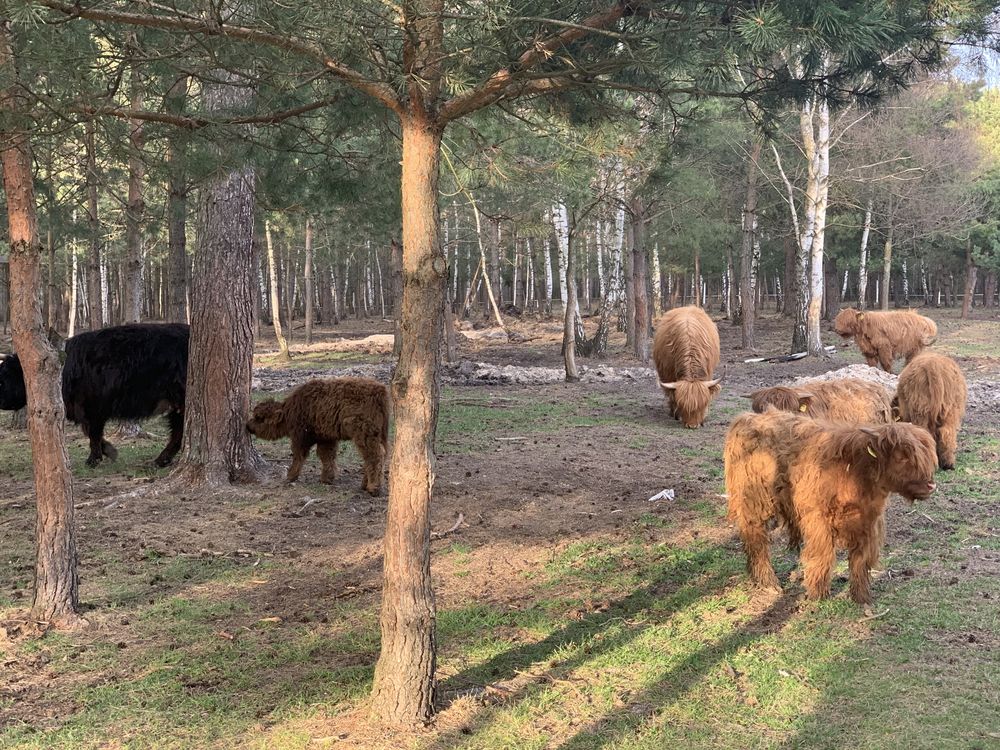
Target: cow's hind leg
pixel 176 421
pixel 300 452
pixel 327 452
pixel 860 566
pixel 373 453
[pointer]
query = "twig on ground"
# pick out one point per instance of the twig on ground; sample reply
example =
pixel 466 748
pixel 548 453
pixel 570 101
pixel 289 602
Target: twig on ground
pixel 874 617
pixel 309 501
pixel 458 522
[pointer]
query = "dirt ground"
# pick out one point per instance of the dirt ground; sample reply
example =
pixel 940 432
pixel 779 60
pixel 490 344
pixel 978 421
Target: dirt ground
pixel 526 475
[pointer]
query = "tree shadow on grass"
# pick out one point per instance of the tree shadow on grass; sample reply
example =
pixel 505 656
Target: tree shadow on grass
pixel 671 591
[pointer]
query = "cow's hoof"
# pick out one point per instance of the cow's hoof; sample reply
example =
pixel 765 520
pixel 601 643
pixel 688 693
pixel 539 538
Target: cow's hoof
pixel 162 461
pixel 947 467
pixel 92 461
pixel 327 480
pixel 373 491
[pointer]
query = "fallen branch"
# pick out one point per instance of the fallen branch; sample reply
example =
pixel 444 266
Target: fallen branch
pixel 309 502
pixel 874 617
pixel 459 522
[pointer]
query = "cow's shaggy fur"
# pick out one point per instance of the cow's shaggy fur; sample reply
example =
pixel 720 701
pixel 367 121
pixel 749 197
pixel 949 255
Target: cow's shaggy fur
pixel 686 353
pixel 828 483
pixel 128 372
pixel 323 412
pixel 885 336
pixel 932 393
pixel 848 400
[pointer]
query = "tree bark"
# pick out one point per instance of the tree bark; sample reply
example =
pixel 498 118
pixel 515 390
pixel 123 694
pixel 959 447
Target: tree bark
pixel 569 310
pixel 971 272
pixel 403 687
pixel 308 273
pixel 640 282
pixel 396 258
pixel 217 449
pixel 56 597
pixel 176 210
pixel 95 298
pixel 748 307
pixel 887 261
pixel 136 206
pixel 272 269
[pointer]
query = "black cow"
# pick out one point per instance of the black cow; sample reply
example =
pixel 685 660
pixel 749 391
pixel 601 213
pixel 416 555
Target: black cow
pixel 126 372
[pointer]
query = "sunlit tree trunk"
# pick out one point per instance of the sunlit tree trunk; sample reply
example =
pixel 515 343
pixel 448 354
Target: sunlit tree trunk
pixel 56 597
pixel 640 282
pixel 569 311
pixel 747 298
pixel 403 688
pixel 821 177
pixel 971 272
pixel 887 259
pixel 217 449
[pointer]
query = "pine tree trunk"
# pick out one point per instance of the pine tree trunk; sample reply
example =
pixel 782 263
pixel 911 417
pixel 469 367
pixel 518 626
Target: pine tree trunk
pixel 52 317
pixel 971 272
pixel 569 309
pixel 640 283
pixel 272 267
pixel 832 293
pixel 396 257
pixel 748 306
pixel 176 210
pixel 308 272
pixel 95 299
pixel 135 208
pixel 403 687
pixel 217 449
pixel 887 262
pixel 56 597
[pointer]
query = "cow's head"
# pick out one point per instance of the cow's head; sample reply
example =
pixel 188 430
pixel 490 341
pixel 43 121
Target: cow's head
pixel 268 421
pixel 12 393
pixel 906 458
pixel 848 322
pixel 691 399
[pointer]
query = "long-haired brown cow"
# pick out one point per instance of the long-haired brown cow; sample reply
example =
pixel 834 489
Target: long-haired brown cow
pixel 932 393
pixel 828 483
pixel 686 353
pixel 885 336
pixel 848 400
pixel 323 412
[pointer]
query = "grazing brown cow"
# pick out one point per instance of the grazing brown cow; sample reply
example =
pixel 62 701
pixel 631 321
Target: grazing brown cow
pixel 931 393
pixel 323 412
pixel 686 353
pixel 848 400
pixel 828 483
pixel 884 336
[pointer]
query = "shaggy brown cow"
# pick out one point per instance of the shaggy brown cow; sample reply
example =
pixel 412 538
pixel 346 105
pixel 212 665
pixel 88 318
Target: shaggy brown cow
pixel 931 393
pixel 828 484
pixel 848 400
pixel 323 412
pixel 884 337
pixel 686 353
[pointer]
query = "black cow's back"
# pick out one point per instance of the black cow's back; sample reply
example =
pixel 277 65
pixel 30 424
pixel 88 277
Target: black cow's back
pixel 125 372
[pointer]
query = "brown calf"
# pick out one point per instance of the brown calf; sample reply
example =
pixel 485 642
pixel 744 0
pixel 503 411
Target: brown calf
pixel 828 484
pixel 323 412
pixel 848 400
pixel 932 393
pixel 885 336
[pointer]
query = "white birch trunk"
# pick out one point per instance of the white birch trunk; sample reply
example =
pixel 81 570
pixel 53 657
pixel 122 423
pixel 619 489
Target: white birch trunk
pixel 863 263
pixel 73 294
pixel 820 176
pixel 560 222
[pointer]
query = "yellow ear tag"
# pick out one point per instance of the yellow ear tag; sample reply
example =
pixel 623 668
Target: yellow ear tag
pixel 803 407
pixel 872 453
pixel 861 316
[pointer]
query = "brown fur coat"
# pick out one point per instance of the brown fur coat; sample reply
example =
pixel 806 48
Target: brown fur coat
pixel 686 352
pixel 849 400
pixel 932 393
pixel 827 483
pixel 323 412
pixel 885 336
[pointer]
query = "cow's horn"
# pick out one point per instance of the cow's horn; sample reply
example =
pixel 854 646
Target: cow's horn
pixel 869 431
pixel 711 383
pixel 668 386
